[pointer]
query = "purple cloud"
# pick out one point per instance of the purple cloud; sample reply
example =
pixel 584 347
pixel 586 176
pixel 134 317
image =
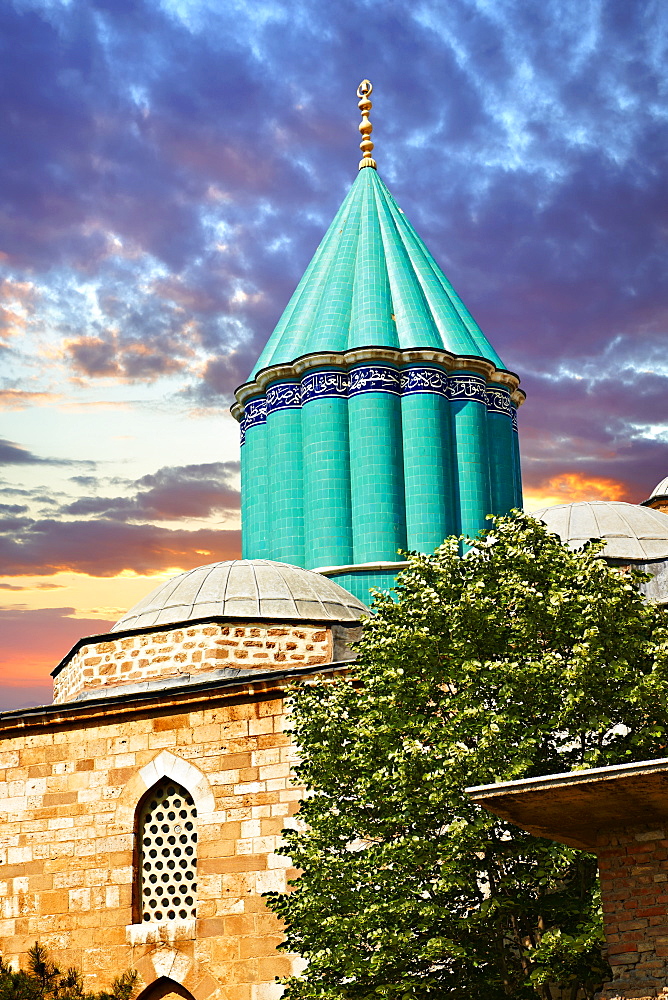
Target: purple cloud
pixel 184 164
pixel 189 491
pixel 106 547
pixel 15 454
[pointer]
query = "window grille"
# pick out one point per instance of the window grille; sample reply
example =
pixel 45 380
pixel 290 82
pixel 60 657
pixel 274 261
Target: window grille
pixel 168 839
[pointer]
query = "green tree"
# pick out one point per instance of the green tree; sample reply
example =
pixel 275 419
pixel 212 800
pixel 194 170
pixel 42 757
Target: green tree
pixel 44 981
pixel 521 658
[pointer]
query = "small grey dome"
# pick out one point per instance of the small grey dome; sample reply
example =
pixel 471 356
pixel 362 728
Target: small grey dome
pixel 661 489
pixel 245 588
pixel 638 534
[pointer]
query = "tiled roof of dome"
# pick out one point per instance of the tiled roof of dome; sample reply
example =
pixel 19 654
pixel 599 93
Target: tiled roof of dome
pixel 245 588
pixel 630 532
pixel 372 282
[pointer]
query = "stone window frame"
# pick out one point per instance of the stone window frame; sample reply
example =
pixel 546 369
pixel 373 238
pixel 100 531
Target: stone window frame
pixel 178 832
pixel 164 766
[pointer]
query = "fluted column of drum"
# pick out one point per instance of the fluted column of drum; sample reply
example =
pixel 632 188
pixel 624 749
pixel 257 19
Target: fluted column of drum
pixel 519 499
pixel 327 504
pixel 428 457
pixel 376 463
pixel 254 482
pixel 501 452
pixel 286 485
pixel 468 403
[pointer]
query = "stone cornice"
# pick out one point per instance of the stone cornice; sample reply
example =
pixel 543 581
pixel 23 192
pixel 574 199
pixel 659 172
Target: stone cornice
pixel 478 365
pixel 400 358
pixel 369 567
pixel 322 359
pixel 262 687
pixel 277 373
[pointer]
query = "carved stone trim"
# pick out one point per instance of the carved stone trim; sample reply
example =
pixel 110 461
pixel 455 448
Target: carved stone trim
pixel 369 567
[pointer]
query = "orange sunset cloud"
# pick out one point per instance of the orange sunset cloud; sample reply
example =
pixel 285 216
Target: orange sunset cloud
pixel 570 487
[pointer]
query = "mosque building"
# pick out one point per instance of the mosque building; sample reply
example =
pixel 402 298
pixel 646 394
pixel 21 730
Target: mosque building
pixel 142 810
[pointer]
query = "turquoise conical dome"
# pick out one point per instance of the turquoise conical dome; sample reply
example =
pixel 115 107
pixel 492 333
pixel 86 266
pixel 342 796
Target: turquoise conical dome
pixel 378 417
pixel 372 281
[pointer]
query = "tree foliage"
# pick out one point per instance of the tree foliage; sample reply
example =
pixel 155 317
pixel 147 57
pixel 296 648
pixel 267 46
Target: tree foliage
pixel 44 981
pixel 519 659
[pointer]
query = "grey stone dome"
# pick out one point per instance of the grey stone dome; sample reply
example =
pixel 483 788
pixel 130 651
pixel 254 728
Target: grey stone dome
pixel 660 490
pixel 630 532
pixel 245 588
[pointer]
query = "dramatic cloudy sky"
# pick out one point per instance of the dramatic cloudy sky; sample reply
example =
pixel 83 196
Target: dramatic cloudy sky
pixel 167 169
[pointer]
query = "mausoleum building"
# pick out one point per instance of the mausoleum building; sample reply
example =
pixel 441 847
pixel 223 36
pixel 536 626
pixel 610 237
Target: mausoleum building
pixel 142 810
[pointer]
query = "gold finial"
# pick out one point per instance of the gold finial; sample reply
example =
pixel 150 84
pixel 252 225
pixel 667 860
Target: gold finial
pixel 365 126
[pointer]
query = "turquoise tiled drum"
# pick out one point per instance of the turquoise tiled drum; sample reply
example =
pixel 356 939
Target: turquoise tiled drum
pixel 359 584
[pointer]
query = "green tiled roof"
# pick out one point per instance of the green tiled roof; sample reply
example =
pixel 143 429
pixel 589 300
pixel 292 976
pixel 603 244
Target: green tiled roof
pixel 372 282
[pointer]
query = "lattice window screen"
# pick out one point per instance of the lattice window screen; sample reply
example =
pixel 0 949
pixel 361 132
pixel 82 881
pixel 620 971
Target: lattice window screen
pixel 168 837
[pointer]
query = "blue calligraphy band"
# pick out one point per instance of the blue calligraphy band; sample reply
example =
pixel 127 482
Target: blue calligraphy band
pixel 374 378
pixel 423 379
pixel 256 412
pixel 284 396
pixel 325 385
pixel 337 384
pixel 466 387
pixel 498 400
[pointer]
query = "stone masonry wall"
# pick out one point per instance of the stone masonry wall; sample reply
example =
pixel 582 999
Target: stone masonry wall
pixel 192 649
pixel 70 785
pixel 633 867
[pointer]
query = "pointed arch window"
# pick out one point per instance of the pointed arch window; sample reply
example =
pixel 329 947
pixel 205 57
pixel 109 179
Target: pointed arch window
pixel 167 839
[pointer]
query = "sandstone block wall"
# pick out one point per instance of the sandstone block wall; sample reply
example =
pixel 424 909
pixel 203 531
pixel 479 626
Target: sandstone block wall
pixel 633 866
pixel 70 784
pixel 192 649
